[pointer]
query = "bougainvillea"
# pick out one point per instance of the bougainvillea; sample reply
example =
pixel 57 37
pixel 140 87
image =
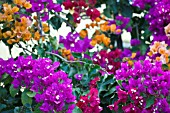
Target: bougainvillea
pixel 108 60
pixel 114 56
pixel 52 88
pixel 90 102
pixel 148 81
pixel 79 7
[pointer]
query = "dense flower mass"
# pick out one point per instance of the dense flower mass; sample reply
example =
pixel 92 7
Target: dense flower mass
pixel 53 89
pixel 79 6
pixel 21 27
pixel 73 43
pixel 108 60
pixel 40 6
pixel 85 71
pixel 158 16
pixel 149 80
pixel 159 52
pixel 90 103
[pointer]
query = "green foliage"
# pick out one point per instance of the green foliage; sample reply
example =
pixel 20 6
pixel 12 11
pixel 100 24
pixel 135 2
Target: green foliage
pixel 150 101
pixel 107 89
pixel 25 98
pixel 55 22
pixel 13 91
pixel 77 110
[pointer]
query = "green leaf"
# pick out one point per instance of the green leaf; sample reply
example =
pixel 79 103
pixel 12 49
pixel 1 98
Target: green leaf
pixel 143 48
pixel 111 91
pixel 13 91
pixel 4 76
pixel 59 1
pixel 72 72
pixel 165 66
pixel 8 80
pixel 31 94
pixel 77 110
pixel 69 16
pixel 37 109
pixel 3 92
pixel 77 55
pixel 55 22
pixel 126 11
pixel 107 12
pixel 25 98
pixel 16 110
pixel 150 101
pixel 114 6
pixel 2 106
pixel 119 82
pixel 94 70
pixel 40 50
pixel 9 111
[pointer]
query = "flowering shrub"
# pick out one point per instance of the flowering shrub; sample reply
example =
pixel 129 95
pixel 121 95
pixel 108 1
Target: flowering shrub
pixel 54 90
pixel 146 84
pixel 92 67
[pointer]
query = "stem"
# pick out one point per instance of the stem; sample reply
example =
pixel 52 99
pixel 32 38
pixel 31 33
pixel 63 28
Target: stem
pixel 39 22
pixel 64 58
pixel 25 49
pixel 78 61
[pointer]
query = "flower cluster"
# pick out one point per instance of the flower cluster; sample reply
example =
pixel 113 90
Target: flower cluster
pixel 142 3
pixel 90 102
pixel 8 12
pixel 132 107
pixel 23 3
pixel 20 27
pixel 105 26
pixel 53 89
pixel 73 43
pixel 98 39
pixel 149 79
pixel 158 16
pixel 108 60
pixel 43 7
pixel 159 52
pixel 79 6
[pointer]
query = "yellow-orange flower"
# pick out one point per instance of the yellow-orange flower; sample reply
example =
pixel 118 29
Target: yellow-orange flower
pixel 27 5
pixel 7 34
pixel 97 19
pixel 130 62
pixel 106 40
pixel 45 27
pixel 15 9
pixel 83 33
pixel 113 28
pixel 23 3
pixel 133 55
pixel 93 42
pixel 26 36
pixel 37 35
